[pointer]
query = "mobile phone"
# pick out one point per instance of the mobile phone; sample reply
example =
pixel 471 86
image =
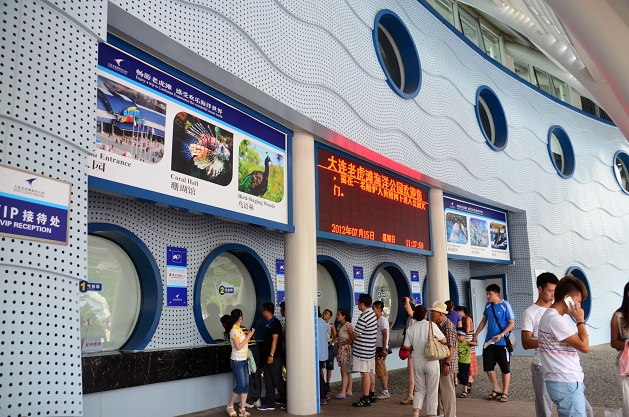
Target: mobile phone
pixel 569 302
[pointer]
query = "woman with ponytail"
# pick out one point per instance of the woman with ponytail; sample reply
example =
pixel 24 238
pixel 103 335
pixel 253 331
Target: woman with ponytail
pixel 240 351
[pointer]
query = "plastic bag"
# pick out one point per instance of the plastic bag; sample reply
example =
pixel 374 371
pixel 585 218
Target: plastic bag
pixel 623 362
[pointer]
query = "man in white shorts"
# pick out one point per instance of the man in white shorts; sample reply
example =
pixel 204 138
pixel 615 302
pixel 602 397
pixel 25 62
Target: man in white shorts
pixel 364 348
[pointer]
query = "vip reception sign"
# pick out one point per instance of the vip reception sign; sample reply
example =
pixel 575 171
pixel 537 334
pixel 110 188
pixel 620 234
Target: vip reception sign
pixel 33 206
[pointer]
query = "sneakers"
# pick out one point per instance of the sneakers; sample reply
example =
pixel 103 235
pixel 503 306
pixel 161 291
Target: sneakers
pixel 265 408
pixel 257 403
pixel 383 395
pixel 362 403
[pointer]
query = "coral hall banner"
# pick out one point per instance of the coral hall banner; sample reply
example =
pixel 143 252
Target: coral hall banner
pixel 476 232
pixel 163 139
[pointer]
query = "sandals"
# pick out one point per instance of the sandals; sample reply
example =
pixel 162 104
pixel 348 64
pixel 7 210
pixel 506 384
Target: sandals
pixel 504 398
pixel 407 401
pixel 230 410
pixel 463 395
pixel 495 395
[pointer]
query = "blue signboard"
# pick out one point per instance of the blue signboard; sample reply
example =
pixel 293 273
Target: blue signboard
pixel 359 282
pixel 176 277
pixel 163 139
pixel 33 207
pixel 476 232
pixel 279 273
pixel 415 288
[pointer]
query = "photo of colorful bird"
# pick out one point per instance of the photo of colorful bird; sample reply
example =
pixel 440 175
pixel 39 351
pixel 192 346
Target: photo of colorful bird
pixel 260 177
pixel 256 182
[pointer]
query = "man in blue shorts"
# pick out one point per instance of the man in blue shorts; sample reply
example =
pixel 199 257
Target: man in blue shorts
pixel 499 319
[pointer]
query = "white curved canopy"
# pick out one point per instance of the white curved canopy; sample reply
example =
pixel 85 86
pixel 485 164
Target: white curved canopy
pixel 584 37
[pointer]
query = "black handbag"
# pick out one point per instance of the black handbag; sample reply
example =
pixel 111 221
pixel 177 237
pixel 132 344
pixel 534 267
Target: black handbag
pixel 510 343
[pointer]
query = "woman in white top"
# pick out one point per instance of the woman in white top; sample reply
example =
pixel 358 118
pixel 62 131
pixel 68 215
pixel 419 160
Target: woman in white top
pixel 240 352
pixel 620 333
pixel 425 372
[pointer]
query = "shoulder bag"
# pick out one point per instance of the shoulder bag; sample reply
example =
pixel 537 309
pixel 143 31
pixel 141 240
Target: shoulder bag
pixel 435 350
pixel 509 339
pixel 404 352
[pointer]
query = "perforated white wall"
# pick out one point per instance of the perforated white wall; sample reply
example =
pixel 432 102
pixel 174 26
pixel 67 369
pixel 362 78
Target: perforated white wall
pixel 199 234
pixel 319 59
pixel 350 255
pixel 47 104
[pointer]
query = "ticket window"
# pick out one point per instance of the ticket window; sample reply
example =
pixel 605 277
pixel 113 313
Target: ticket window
pixel 110 305
pixel 227 284
pixel 385 290
pixel 326 291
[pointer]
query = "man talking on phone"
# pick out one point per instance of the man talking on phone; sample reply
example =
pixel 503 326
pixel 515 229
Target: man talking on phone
pixel 559 345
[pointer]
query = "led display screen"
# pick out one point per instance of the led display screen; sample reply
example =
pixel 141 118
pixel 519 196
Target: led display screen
pixel 361 203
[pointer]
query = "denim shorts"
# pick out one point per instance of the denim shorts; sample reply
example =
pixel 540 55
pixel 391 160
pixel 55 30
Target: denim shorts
pixel 241 375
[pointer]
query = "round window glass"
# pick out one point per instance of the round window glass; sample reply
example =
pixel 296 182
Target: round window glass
pixel 586 304
pixel 384 290
pixel 326 291
pixel 491 118
pixel 397 54
pixel 621 170
pixel 227 285
pixel 561 152
pixel 108 316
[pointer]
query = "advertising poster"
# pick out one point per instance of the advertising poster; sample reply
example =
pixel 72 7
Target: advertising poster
pixel 359 283
pixel 165 140
pixel 279 273
pixel 476 232
pixel 361 203
pixel 415 288
pixel 34 207
pixel 176 277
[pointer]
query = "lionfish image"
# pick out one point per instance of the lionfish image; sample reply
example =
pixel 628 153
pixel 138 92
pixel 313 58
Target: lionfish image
pixel 205 150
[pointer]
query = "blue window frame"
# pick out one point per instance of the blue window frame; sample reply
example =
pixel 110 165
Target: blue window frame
pixel 620 168
pixel 586 304
pixel 491 118
pixel 150 281
pixel 561 151
pixel 397 54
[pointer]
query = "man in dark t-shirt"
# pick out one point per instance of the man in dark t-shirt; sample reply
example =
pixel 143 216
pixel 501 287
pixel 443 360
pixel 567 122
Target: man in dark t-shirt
pixel 272 358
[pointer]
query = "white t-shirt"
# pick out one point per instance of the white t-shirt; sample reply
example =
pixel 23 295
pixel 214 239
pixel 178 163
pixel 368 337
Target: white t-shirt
pixel 236 333
pixel 417 336
pixel 530 323
pixel 383 324
pixel 559 360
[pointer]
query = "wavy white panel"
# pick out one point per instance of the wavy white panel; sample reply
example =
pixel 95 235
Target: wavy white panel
pixel 319 59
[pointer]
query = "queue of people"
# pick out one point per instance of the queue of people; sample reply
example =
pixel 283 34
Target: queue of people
pixel 556 371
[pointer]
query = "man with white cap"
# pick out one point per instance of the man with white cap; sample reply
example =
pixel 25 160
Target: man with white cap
pixel 450 365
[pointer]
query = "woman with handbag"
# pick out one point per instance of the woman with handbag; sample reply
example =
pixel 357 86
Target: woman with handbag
pixel 425 371
pixel 619 341
pixel 344 352
pixel 239 364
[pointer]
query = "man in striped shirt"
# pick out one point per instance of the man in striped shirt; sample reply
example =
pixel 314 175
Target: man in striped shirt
pixel 364 348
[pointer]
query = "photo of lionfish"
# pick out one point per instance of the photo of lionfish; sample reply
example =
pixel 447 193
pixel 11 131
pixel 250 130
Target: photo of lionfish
pixel 206 151
pixel 202 150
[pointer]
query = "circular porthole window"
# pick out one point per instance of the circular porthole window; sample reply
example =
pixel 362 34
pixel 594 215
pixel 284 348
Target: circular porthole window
pixel 561 152
pixel 621 170
pixel 491 118
pixel 586 304
pixel 397 54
